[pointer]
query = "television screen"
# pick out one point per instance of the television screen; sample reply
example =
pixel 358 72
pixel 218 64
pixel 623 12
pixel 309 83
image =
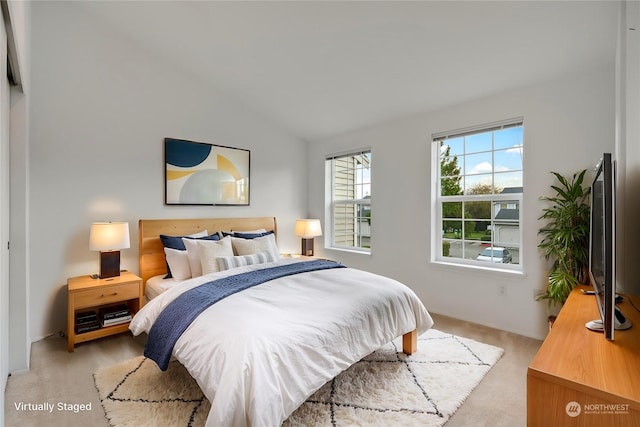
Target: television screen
pixel 602 249
pixel 600 256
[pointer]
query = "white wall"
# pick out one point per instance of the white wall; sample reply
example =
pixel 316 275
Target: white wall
pixel 628 148
pixel 99 112
pixel 568 124
pixel 4 217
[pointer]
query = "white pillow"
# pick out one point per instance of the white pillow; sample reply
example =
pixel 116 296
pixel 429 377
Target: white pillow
pixel 228 262
pixel 197 271
pixel 258 231
pixel 171 242
pixel 193 253
pixel 178 263
pixel 210 250
pixel 255 246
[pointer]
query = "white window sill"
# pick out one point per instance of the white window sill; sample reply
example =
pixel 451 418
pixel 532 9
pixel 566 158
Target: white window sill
pixel 473 267
pixel 348 250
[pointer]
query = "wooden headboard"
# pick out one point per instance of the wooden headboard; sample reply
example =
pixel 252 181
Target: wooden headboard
pixel 151 251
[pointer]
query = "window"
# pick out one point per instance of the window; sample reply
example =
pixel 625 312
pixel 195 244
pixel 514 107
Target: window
pixel 479 191
pixel 349 207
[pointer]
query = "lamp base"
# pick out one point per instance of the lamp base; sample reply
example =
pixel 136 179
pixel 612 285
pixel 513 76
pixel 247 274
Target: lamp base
pixel 109 264
pixel 307 247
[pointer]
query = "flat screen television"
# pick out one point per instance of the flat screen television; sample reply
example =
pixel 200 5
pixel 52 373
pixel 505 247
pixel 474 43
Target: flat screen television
pixel 602 249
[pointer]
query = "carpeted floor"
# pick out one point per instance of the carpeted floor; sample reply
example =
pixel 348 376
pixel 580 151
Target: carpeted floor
pixel 57 376
pixel 385 388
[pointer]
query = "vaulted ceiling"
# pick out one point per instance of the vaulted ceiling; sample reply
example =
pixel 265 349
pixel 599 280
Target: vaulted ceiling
pixel 322 68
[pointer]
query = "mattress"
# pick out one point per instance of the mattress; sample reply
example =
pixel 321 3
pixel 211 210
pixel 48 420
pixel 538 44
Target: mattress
pixel 157 285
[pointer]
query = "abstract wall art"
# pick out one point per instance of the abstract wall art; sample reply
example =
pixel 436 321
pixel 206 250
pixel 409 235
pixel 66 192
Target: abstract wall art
pixel 198 173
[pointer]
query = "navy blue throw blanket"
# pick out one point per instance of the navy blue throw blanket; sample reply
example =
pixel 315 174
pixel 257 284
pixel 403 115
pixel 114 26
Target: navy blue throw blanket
pixel 181 312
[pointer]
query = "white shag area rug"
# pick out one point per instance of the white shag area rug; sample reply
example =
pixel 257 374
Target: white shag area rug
pixel 385 388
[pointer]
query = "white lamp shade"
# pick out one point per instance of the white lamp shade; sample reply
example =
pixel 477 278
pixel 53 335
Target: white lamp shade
pixel 308 228
pixel 109 236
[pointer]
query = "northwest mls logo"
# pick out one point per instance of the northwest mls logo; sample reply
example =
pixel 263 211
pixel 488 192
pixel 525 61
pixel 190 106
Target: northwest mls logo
pixel 573 409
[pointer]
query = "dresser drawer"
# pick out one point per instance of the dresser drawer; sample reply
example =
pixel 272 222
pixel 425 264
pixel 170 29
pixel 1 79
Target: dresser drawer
pixel 106 295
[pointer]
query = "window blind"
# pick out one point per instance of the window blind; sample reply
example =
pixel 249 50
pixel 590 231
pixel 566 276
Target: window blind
pixel 488 127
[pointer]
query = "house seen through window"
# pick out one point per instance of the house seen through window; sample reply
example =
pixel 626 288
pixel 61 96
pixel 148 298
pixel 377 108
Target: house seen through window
pixel 479 196
pixel 349 208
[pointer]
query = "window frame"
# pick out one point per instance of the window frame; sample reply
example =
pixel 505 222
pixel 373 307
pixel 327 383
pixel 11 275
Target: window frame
pixel 332 203
pixel 438 238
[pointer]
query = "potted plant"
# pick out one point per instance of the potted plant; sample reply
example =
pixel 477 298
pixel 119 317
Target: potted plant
pixel 565 237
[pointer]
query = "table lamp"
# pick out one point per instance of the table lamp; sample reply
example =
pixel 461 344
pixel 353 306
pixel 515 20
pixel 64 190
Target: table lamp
pixel 109 238
pixel 308 229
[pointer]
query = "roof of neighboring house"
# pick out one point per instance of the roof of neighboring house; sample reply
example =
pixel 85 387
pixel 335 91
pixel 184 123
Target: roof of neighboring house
pixel 509 190
pixel 508 214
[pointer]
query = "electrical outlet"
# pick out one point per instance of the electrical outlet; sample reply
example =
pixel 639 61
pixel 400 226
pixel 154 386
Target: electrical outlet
pixel 502 290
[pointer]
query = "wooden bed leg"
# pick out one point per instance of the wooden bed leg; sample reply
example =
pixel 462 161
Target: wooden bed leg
pixel 410 342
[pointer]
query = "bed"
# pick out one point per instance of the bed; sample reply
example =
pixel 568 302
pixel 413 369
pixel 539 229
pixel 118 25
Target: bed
pixel 260 353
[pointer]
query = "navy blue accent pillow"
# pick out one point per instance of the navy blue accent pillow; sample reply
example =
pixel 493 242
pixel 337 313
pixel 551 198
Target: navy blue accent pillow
pixel 175 242
pixel 242 235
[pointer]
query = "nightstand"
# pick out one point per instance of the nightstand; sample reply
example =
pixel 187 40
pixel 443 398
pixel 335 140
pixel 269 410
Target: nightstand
pixel 86 295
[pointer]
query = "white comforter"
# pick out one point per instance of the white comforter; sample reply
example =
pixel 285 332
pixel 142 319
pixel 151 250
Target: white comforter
pixel 259 354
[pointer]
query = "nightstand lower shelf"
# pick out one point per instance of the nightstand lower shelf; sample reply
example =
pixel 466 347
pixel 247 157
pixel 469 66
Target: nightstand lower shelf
pixel 105 331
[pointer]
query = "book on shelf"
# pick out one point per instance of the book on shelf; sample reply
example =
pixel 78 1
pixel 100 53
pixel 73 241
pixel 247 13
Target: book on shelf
pixel 115 312
pixel 116 321
pixel 86 317
pixel 87 327
pixel 112 314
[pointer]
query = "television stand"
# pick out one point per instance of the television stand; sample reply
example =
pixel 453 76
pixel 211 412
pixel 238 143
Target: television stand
pixel 621 323
pixel 579 378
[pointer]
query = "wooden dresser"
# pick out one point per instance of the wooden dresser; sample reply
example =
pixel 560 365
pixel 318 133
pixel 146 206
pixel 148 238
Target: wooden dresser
pixel 578 378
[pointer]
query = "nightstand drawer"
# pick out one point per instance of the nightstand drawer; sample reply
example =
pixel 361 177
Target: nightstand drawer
pixel 106 295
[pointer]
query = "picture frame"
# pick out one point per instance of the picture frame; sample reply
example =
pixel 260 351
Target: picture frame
pixel 199 173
